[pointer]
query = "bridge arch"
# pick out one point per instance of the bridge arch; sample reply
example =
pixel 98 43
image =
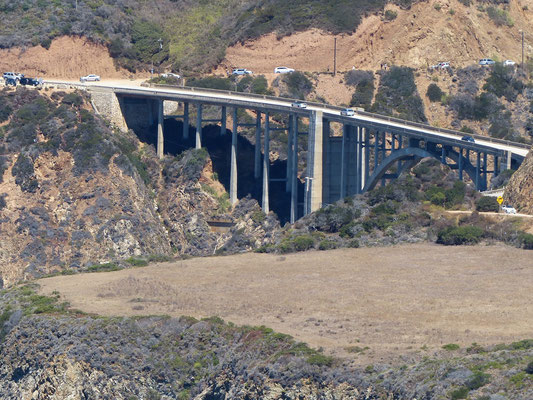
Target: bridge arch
pixel 412 155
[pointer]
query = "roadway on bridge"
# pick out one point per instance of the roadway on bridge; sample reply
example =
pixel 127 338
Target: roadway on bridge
pixel 226 98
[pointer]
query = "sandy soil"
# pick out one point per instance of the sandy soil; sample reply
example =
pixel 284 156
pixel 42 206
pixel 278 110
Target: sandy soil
pixel 393 300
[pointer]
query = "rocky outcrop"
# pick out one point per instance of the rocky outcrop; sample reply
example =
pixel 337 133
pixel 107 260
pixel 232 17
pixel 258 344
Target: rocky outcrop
pixel 519 190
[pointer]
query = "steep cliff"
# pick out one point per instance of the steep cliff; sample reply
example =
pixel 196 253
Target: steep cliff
pixel 519 191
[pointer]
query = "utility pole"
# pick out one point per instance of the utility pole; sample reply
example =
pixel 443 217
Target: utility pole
pixel 334 56
pixel 523 66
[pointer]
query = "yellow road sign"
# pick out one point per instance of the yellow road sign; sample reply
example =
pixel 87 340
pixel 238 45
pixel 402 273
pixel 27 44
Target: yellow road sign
pixel 499 199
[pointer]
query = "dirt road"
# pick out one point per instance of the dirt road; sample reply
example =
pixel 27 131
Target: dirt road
pixel 403 300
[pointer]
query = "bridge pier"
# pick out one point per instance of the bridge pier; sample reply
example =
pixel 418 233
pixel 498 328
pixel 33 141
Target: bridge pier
pixel 160 123
pixel 460 164
pixel 294 171
pixel 199 127
pixel 257 147
pixel 290 152
pixel 314 161
pixel 223 121
pixel 185 133
pixel 233 172
pixel 266 164
pixel 342 181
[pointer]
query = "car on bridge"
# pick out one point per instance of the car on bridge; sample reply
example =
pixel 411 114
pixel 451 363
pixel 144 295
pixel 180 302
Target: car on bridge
pixel 486 61
pixel 299 104
pixel 468 138
pixel 241 71
pixel 348 112
pixel 283 70
pixel 90 78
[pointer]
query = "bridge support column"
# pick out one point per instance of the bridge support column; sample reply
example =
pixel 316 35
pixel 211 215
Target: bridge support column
pixel 342 182
pixel 314 161
pixel 496 166
pixel 185 132
pixel 478 170
pixel 223 121
pixel 233 172
pixel 326 166
pixel 484 181
pixel 294 171
pixel 290 143
pixel 383 152
pixel 443 155
pixel 508 160
pixel 199 127
pixel 358 154
pixel 266 165
pixel 160 123
pixel 367 156
pixel 460 162
pixel 257 147
pixel 400 139
pixel 376 149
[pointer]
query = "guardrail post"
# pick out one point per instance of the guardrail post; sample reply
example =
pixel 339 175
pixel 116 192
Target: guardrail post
pixel 199 127
pixel 160 122
pixel 266 164
pixel 223 120
pixel 185 132
pixel 294 171
pixel 233 172
pixel 257 147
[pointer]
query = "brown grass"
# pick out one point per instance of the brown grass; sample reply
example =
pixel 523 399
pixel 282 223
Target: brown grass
pixel 393 300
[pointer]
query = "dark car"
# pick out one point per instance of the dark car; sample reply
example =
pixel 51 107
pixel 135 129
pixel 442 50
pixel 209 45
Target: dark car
pixel 30 81
pixel 468 139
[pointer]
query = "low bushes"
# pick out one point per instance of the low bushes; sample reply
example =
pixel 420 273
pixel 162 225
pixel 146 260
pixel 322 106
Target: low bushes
pixel 457 235
pixel 487 203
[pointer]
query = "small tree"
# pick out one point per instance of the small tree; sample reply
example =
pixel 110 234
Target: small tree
pixel 434 93
pixel 487 203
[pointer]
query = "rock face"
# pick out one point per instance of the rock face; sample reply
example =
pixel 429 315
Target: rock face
pixel 74 193
pixel 519 191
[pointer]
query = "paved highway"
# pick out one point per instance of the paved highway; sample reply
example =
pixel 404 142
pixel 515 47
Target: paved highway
pixel 330 112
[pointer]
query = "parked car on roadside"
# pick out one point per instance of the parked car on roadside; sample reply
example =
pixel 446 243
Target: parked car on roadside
pixel 170 75
pixel 468 138
pixel 283 70
pixel 241 71
pixel 90 78
pixel 13 75
pixel 508 209
pixel 486 61
pixel 444 65
pixel 31 81
pixel 299 104
pixel 508 63
pixel 348 112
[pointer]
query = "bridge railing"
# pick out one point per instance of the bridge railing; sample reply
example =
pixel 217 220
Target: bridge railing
pixel 363 113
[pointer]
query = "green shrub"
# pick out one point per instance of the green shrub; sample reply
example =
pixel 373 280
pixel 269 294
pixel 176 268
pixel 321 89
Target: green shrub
pixel 459 393
pixel 260 85
pixel 529 368
pixel 211 82
pixel 303 243
pixel 456 195
pixel 458 235
pixel 487 203
pixel 526 241
pixel 298 85
pixel 137 262
pixel 390 15
pixel 477 380
pixel 451 346
pixel 320 359
pixel 434 93
pixel 327 245
pixel 499 17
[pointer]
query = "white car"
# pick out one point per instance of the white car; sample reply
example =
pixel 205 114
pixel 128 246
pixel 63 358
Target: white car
pixel 508 63
pixel 508 209
pixel 170 75
pixel 13 75
pixel 486 61
pixel 241 71
pixel 443 65
pixel 299 104
pixel 90 78
pixel 348 112
pixel 283 70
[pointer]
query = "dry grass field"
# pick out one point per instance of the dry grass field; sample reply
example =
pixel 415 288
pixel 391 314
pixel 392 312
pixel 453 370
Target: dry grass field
pixel 402 301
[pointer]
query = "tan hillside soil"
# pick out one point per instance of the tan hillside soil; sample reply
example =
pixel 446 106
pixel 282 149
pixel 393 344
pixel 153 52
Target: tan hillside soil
pixel 67 58
pixel 394 300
